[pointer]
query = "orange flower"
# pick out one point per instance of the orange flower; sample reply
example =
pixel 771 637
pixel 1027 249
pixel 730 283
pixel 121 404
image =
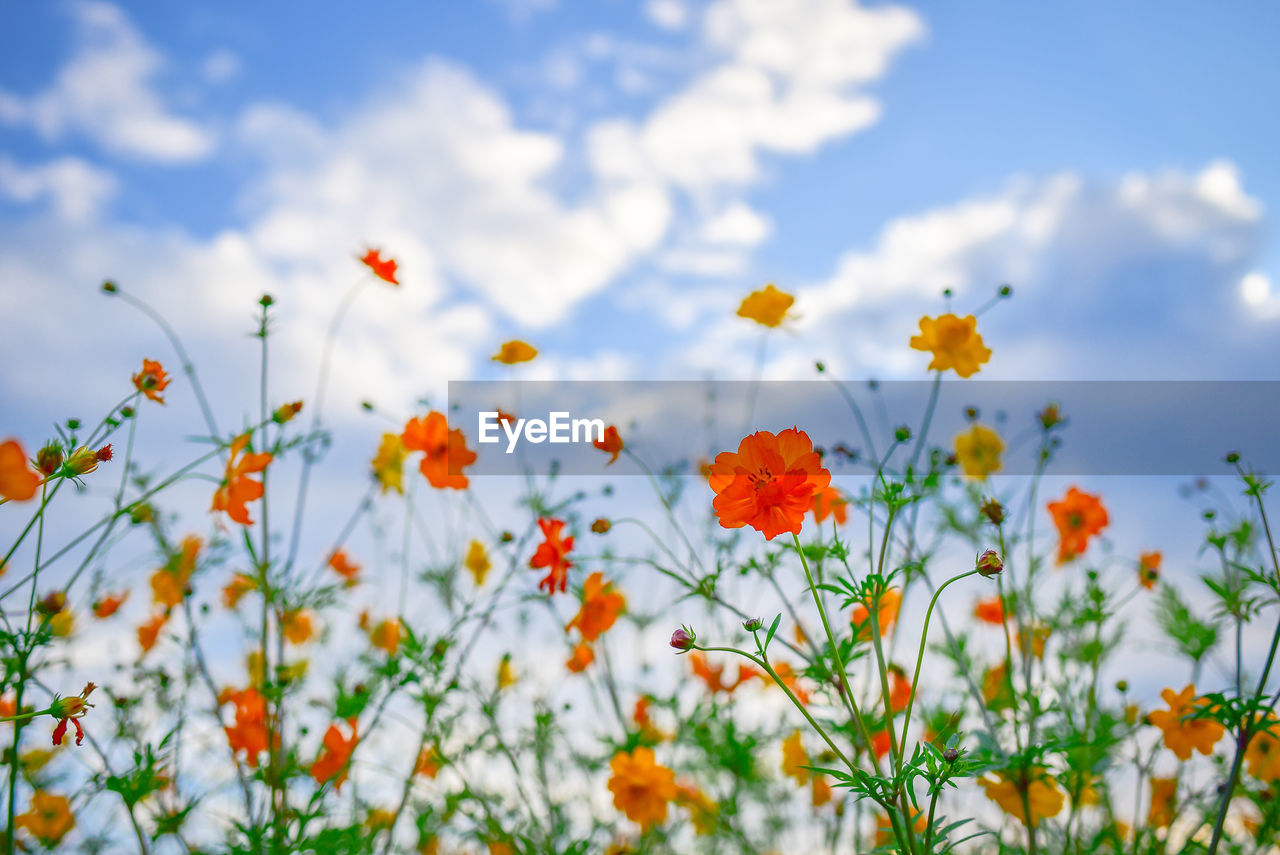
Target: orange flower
pixel 388 463
pixel 335 756
pixel 48 818
pixel 954 343
pixel 429 762
pixel 516 351
pixel 899 688
pixel 18 481
pixel 169 583
pixel 990 610
pixel 581 658
pixel 553 553
pixel 886 614
pixel 791 680
pixel 641 788
pixel 445 451
pixel 881 742
pixel 713 676
pixel 344 567
pixel 149 632
pixel 1163 800
pixel 767 307
pixel 1263 753
pixel 769 483
pixel 297 626
pixel 601 605
pixel 830 501
pixel 151 380
pixel 611 444
pixel 239 585
pixel 884 827
pixel 237 487
pixel 1078 517
pixel 109 605
pixel 249 733
pixel 1149 569
pixel 383 268
pixel 1044 799
pixel 386 636
pixel 71 709
pixel 1182 734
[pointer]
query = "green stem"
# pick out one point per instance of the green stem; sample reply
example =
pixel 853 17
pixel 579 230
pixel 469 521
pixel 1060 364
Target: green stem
pixel 924 638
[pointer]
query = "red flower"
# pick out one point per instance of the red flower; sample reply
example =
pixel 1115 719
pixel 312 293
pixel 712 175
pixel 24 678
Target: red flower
pixel 769 484
pixel 335 756
pixel 553 553
pixel 445 451
pixel 611 444
pixel 151 380
pixel 1078 516
pixel 237 487
pixel 71 709
pixel 384 269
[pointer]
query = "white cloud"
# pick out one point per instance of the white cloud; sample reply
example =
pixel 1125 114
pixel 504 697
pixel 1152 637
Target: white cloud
pixel 668 14
pixel 76 190
pixel 220 66
pixel 106 92
pixel 1107 273
pixel 736 225
pixel 787 82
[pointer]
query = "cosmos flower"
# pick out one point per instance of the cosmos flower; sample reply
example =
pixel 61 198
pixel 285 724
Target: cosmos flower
pixel 769 483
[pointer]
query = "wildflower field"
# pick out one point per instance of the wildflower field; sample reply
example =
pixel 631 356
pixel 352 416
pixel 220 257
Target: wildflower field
pixel 644 427
pixel 722 661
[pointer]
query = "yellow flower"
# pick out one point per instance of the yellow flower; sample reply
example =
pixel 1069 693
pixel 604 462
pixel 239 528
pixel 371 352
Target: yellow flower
pixel 48 819
pixel 63 623
pixel 997 687
pixel 477 561
pixel 978 450
pixel 767 307
pixel 954 343
pixel 386 636
pixel 515 351
pixel 1263 753
pixel 794 758
pixel 1044 799
pixel 388 463
pixel 1182 734
pixel 380 819
pixel 297 626
pixel 641 788
pixel 1163 800
pixel 506 673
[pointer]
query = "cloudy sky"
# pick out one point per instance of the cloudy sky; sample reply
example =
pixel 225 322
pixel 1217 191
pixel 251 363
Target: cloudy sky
pixel 606 179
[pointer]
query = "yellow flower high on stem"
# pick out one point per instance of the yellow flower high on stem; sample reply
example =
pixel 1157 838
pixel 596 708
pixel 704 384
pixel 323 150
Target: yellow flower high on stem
pixel 954 343
pixel 388 463
pixel 978 451
pixel 767 307
pixel 477 562
pixel 514 352
pixel 1183 734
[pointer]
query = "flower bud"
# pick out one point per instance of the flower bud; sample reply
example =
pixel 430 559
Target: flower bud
pixel 286 412
pixel 951 755
pixel 1233 457
pixel 601 526
pixel 1122 686
pixel 266 300
pixel 507 537
pixel 989 564
pixel 752 624
pixel 83 461
pixel 51 604
pixel 49 458
pixel 1049 416
pixel 109 287
pixel 993 511
pixel 682 639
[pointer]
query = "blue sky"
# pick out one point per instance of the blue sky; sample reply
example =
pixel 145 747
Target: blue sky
pixel 607 179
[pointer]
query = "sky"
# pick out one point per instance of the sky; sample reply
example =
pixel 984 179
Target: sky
pixel 608 179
